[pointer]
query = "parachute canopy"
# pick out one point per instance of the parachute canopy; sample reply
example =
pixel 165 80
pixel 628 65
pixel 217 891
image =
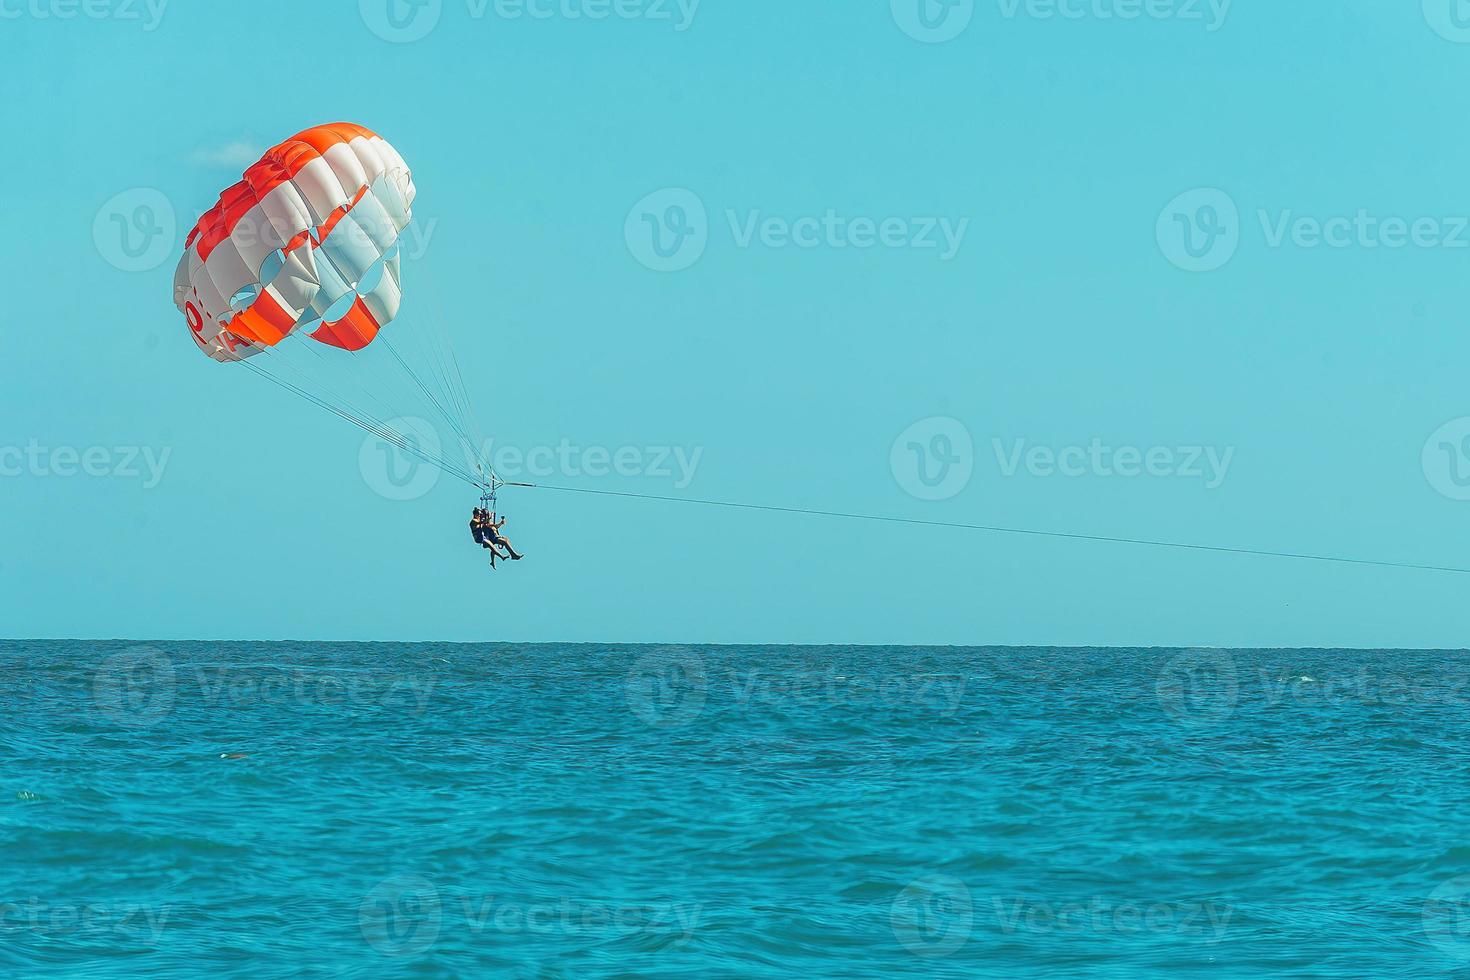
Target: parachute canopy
pixel 295 272
pixel 305 241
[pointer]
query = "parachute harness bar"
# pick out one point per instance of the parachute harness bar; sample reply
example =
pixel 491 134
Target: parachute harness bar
pixel 491 490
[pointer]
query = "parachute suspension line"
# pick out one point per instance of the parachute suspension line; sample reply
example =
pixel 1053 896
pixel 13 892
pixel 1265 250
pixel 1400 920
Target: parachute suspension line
pixel 439 325
pixel 454 422
pixel 429 409
pixel 387 435
pixel 367 390
pixel 1032 532
pixel 432 346
pixel 343 274
pixel 367 423
pixel 345 405
pixel 452 404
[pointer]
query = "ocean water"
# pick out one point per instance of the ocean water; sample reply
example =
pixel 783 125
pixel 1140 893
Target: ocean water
pixel 307 809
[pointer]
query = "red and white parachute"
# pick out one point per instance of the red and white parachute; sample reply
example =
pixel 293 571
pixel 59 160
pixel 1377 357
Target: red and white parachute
pixel 296 273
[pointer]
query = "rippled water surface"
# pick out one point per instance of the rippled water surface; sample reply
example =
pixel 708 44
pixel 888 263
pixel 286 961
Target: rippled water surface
pixel 567 811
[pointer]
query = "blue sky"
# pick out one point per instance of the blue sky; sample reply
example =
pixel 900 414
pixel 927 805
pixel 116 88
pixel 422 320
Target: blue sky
pixel 1308 334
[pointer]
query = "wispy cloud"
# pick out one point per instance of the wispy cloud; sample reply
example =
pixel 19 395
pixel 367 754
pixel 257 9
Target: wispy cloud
pixel 240 153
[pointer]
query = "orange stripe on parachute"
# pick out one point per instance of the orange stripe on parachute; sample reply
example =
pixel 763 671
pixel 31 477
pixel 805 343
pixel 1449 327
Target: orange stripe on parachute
pixel 280 164
pixel 320 234
pixel 353 332
pixel 265 323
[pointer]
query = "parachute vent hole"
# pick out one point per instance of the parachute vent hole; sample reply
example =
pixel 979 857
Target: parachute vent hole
pixel 245 297
pixel 340 308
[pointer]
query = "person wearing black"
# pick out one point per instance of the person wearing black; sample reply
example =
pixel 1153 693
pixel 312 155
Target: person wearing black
pixel 494 538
